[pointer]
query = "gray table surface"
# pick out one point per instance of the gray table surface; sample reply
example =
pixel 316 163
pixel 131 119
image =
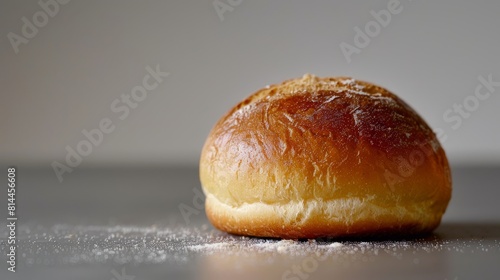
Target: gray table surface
pixel 125 223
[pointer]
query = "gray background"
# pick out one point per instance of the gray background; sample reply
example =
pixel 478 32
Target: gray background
pixel 91 52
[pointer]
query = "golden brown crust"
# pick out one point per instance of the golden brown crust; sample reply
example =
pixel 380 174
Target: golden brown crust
pixel 324 157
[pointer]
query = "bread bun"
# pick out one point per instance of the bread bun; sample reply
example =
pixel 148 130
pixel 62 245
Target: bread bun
pixel 324 157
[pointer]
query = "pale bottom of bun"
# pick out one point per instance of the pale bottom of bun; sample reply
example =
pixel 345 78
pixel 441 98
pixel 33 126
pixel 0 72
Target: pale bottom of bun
pixel 339 218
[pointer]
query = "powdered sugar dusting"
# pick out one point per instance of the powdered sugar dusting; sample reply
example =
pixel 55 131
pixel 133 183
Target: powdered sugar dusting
pixel 180 246
pixel 356 117
pixel 211 246
pixel 335 245
pixel 348 82
pixel 331 99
